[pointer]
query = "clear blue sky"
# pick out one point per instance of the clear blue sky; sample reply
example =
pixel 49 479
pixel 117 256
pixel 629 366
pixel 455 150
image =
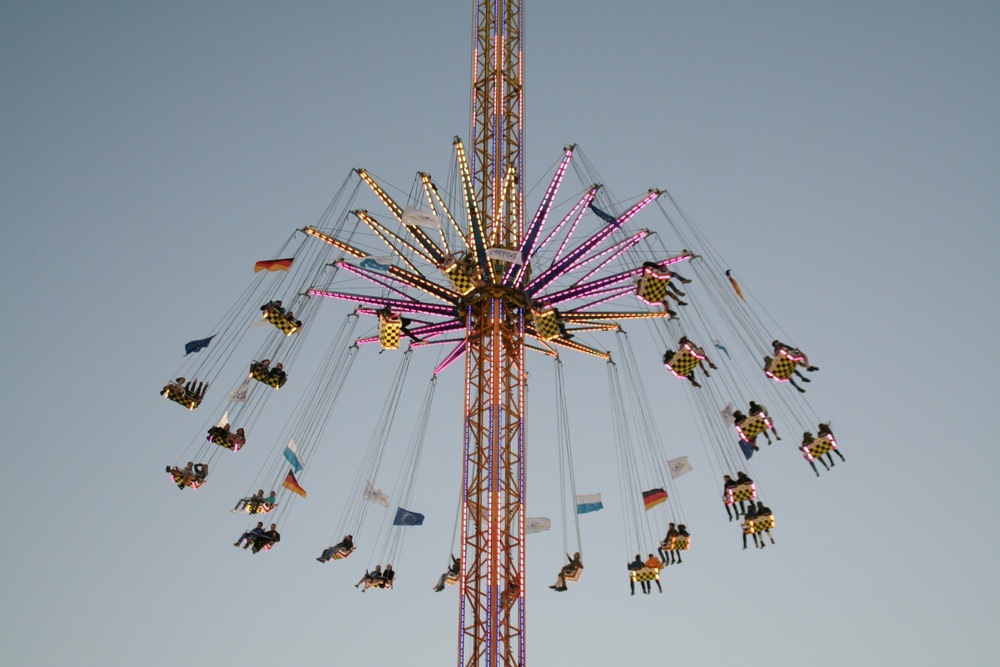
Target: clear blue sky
pixel 842 156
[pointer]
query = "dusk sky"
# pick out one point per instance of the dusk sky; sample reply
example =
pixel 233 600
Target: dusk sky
pixel 843 158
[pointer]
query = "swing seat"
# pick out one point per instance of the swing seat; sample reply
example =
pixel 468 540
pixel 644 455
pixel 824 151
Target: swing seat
pixel 753 426
pixel 783 364
pixel 574 574
pixel 684 361
pixel 819 446
pixel 258 507
pixel 462 276
pixel 645 574
pixel 342 553
pixel 749 526
pixel 288 325
pixel 177 477
pixel 267 376
pixel 547 324
pixel 179 395
pixel 451 579
pixel 652 286
pixel 765 522
pixel 388 331
pixel 741 493
pixel 227 439
pixel 379 583
pixel 676 543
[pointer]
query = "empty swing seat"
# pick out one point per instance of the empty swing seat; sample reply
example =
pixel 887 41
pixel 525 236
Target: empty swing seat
pixel 389 327
pixel 547 323
pixel 783 364
pixel 462 276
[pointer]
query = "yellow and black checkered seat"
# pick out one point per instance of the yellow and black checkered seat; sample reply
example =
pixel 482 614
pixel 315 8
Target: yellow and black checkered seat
pixel 753 426
pixel 821 445
pixel 389 327
pixel 179 395
pixel 645 574
pixel 547 323
pixel 684 361
pixel 288 325
pixel 741 493
pixel 783 365
pixel 652 287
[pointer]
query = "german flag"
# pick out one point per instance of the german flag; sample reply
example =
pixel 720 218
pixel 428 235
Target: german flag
pixel 292 485
pixel 653 497
pixel 273 265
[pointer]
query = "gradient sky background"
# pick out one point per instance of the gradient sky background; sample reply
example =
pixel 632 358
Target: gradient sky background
pixel 842 156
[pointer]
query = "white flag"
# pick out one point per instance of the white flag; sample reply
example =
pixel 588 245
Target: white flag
pixel 505 255
pixel 537 524
pixel 679 466
pixel 239 395
pixel 224 420
pixel 375 495
pixel 418 218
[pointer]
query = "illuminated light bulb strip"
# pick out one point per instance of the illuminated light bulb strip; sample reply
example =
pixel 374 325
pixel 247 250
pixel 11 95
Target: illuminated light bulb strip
pixel 395 305
pixel 349 249
pixel 572 345
pixel 594 317
pixel 393 207
pixel 531 235
pixel 610 297
pixel 431 191
pixel 577 214
pixel 380 279
pixel 471 207
pixel 548 351
pixel 452 356
pixel 439 328
pixel 425 241
pixel 385 234
pixel 674 260
pixel 616 250
pixel 366 341
pixel 583 290
pixel 560 267
pixel 506 190
pixel 421 283
pixel 443 341
pixel 595 327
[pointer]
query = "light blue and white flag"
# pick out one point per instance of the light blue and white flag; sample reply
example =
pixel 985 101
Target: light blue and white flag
pixel 292 454
pixel 590 502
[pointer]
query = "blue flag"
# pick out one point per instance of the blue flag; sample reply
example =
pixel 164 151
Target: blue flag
pixel 292 454
pixel 747 448
pixel 197 345
pixel 606 217
pixel 374 265
pixel 407 518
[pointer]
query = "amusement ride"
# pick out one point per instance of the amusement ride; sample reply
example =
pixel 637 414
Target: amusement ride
pixel 461 267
